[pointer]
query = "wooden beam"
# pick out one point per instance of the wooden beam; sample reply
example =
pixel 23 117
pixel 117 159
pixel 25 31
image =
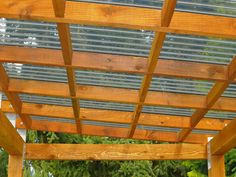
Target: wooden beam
pixel 67 53
pixel 12 97
pixel 115 151
pixel 212 97
pixel 225 140
pixel 217 167
pixel 157 43
pixel 10 140
pixel 113 63
pixel 61 127
pixel 15 166
pixel 118 95
pixel 102 115
pixel 120 16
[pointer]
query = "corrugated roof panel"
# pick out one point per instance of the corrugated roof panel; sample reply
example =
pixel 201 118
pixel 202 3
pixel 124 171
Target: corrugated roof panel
pixel 111 40
pixel 98 78
pixel 167 110
pixel 221 7
pixel 180 85
pixel 198 49
pixel 230 91
pixel 221 114
pixel 53 119
pixel 117 41
pixel 209 132
pixel 37 99
pixel 157 128
pixel 32 72
pixel 106 105
pixel 29 34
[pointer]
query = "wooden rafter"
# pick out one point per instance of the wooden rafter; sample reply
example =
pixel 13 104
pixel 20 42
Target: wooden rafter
pixel 115 151
pixel 118 95
pixel 212 97
pixel 12 97
pixel 158 41
pixel 67 53
pixel 114 63
pixel 120 16
pixel 116 116
pixel 225 140
pixel 93 130
pixel 10 140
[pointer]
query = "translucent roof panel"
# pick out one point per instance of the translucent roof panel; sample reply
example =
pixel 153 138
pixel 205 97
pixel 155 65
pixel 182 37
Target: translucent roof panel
pixel 106 124
pixel 32 72
pixel 98 78
pixel 29 34
pixel 220 7
pixel 157 128
pixel 198 49
pixel 211 132
pixel 117 41
pixel 167 110
pixel 230 91
pixel 53 119
pixel 111 40
pixel 45 100
pixel 180 85
pixel 221 114
pixel 106 105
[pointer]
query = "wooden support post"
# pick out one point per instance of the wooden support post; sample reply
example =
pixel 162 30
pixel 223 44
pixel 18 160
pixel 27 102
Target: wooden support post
pixel 217 166
pixel 15 166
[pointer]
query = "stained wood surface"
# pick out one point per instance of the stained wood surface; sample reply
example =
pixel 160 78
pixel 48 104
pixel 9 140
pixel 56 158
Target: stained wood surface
pixel 119 95
pixel 12 97
pixel 217 166
pixel 115 151
pixel 10 140
pixel 120 16
pixel 113 132
pixel 15 166
pixel 114 63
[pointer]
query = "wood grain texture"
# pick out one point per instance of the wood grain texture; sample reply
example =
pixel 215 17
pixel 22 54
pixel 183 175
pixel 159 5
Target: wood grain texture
pixel 12 97
pixel 119 95
pixel 214 94
pixel 217 166
pixel 112 132
pixel 67 53
pixel 114 63
pixel 103 115
pixel 115 151
pixel 225 140
pixel 15 166
pixel 157 43
pixel 120 16
pixel 7 134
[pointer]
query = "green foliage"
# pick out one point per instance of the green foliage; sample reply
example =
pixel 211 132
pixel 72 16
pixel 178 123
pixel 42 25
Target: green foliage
pixel 3 163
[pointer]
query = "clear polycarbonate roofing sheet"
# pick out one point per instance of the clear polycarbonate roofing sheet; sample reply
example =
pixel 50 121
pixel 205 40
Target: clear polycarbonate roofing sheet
pixel 209 132
pixel 230 91
pixel 38 99
pixel 29 34
pixel 221 114
pixel 157 128
pixel 33 72
pixel 167 110
pixel 117 41
pixel 108 79
pixel 175 85
pixel 219 7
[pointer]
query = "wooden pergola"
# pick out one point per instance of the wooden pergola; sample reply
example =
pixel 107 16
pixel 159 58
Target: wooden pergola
pixel 183 144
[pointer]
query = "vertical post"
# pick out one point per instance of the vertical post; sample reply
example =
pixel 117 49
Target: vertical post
pixel 15 166
pixel 217 168
pixel 15 162
pixel 216 163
